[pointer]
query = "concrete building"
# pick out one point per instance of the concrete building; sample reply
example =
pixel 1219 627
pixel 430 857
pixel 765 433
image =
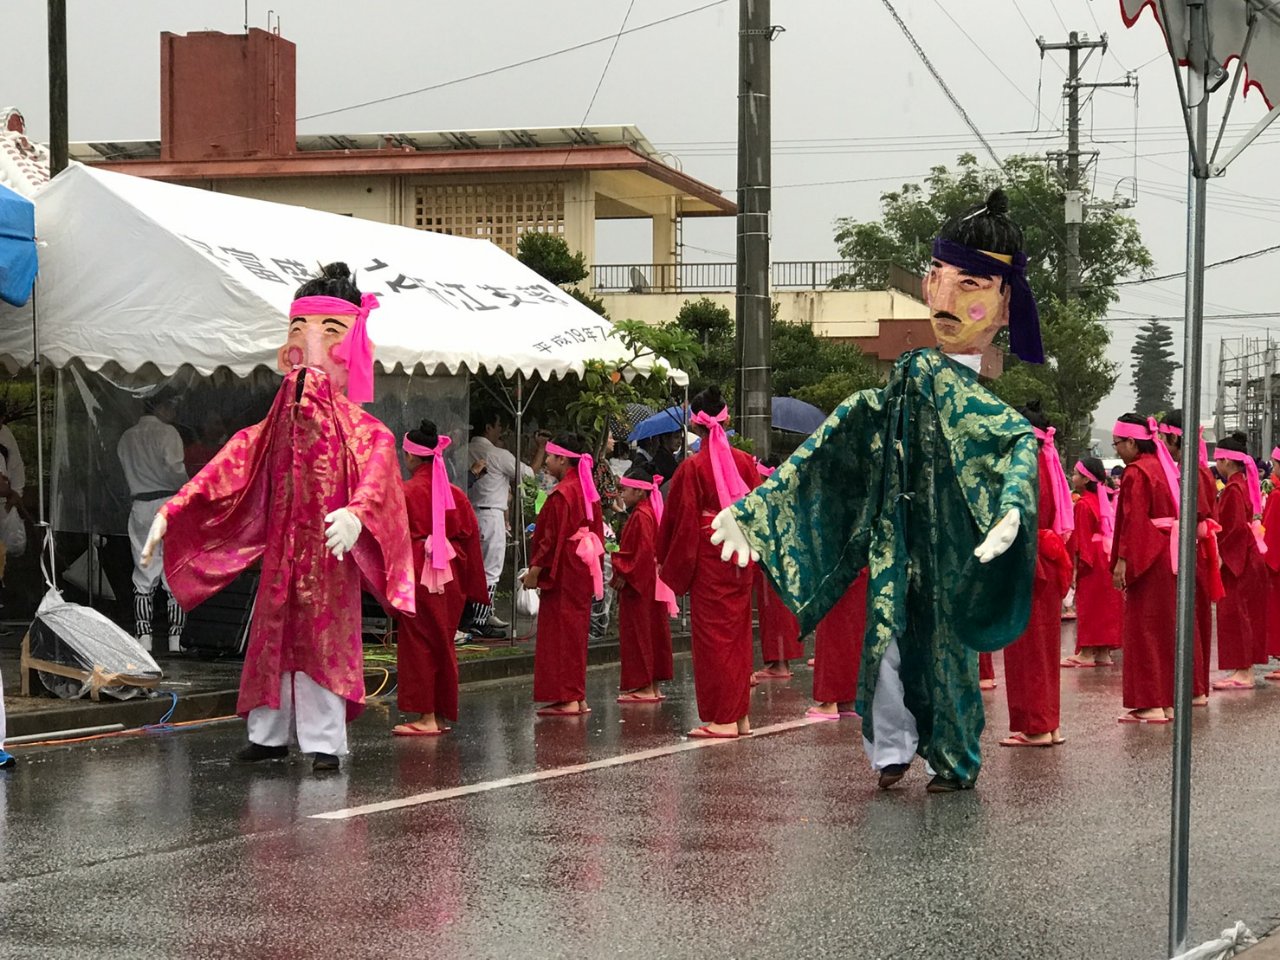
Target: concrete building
pixel 238 135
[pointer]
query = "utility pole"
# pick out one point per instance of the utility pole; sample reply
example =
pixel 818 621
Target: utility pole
pixel 1069 272
pixel 1268 366
pixel 57 87
pixel 754 398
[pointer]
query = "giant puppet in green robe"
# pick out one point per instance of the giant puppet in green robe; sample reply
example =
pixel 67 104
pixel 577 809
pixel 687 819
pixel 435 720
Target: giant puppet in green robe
pixel 931 483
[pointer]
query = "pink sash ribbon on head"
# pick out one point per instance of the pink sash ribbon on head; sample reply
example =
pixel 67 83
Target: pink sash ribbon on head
pixel 441 502
pixel 1151 431
pixel 730 487
pixel 1177 432
pixel 1064 520
pixel 589 551
pixel 763 470
pixel 661 592
pixel 1106 508
pixel 356 349
pixel 1254 483
pixel 586 476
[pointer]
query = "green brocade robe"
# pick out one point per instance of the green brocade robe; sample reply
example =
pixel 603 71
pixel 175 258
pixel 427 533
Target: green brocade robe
pixel 906 480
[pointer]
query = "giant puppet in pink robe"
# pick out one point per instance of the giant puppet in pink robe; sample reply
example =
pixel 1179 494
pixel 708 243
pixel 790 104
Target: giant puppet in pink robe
pixel 316 480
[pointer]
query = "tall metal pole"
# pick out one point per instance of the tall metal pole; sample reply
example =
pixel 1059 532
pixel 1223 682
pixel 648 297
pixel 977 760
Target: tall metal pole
pixel 1198 172
pixel 57 86
pixel 1269 365
pixel 517 506
pixel 754 394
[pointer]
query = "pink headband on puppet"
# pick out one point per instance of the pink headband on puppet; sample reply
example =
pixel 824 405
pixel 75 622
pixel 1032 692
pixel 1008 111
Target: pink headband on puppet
pixel 730 487
pixel 1250 471
pixel 441 495
pixel 1106 502
pixel 1050 465
pixel 585 465
pixel 356 349
pixel 1151 431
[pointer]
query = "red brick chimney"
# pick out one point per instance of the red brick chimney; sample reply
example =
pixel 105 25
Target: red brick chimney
pixel 227 95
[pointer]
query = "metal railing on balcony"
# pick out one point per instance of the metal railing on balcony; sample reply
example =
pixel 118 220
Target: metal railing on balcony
pixel 722 277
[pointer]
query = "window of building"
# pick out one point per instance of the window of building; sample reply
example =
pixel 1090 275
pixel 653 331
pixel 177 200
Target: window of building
pixel 500 212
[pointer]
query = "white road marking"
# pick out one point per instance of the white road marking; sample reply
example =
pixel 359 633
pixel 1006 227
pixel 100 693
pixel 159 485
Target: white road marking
pixel 435 796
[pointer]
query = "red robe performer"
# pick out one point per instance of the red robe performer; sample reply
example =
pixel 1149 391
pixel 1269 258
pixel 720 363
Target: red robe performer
pixel 1099 605
pixel 1243 570
pixel 986 672
pixel 1031 663
pixel 719 592
pixel 1143 560
pixel 1271 524
pixel 837 654
pixel 565 565
pixel 645 604
pixel 779 629
pixel 317 479
pixel 450 566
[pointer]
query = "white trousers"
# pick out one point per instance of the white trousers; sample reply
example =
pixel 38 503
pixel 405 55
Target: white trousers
pixel 141 516
pixel 319 715
pixel 493 543
pixel 894 725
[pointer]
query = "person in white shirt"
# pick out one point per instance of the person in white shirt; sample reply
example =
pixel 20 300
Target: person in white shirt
pixel 152 456
pixel 493 473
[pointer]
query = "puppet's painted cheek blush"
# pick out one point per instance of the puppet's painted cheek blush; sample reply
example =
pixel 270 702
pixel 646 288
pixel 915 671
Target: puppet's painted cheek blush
pixel 977 311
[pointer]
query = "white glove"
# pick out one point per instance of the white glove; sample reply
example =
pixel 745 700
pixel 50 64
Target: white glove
pixel 159 527
pixel 1000 538
pixel 726 534
pixel 342 532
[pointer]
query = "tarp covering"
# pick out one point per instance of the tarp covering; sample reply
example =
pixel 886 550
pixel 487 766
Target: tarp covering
pixel 17 247
pixel 137 271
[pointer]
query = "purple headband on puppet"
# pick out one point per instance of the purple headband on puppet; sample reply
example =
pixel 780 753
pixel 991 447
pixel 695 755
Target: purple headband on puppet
pixel 1024 315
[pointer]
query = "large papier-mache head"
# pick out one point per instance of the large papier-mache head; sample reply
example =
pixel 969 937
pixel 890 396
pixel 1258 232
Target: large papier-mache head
pixel 977 284
pixel 327 331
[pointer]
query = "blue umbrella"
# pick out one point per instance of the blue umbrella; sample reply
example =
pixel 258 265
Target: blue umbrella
pixel 796 416
pixel 669 420
pixel 17 247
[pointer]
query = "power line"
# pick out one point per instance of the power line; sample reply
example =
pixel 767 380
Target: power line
pixel 1208 266
pixel 520 63
pixel 612 50
pixel 964 115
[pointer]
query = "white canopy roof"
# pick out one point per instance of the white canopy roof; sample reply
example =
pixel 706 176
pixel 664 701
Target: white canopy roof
pixel 136 271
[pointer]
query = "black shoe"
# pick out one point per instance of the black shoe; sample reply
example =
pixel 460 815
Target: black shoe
pixel 324 761
pixel 488 632
pixel 256 751
pixel 892 774
pixel 944 784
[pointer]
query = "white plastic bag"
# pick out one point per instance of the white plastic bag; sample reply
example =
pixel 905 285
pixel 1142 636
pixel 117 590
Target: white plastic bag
pixel 13 533
pixel 526 599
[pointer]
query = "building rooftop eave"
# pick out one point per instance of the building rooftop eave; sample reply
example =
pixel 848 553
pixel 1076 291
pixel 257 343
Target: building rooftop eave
pixel 698 198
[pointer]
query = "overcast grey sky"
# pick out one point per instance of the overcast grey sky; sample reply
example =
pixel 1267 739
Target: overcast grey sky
pixel 852 104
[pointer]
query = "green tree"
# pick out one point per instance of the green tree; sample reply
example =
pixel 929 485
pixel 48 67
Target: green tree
pixel 548 255
pixel 1077 374
pixel 1153 368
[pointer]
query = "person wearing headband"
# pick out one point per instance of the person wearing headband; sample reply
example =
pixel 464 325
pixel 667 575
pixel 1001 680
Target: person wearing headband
pixel 719 594
pixel 1271 528
pixel 930 482
pixel 1242 611
pixel 645 603
pixel 314 491
pixel 1144 566
pixel 1099 605
pixel 449 565
pixel 780 641
pixel 837 651
pixel 566 566
pixel 1032 672
pixel 1208 566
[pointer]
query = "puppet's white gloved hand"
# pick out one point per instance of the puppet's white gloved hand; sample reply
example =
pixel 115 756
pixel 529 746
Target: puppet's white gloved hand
pixel 728 536
pixel 342 532
pixel 159 527
pixel 1000 538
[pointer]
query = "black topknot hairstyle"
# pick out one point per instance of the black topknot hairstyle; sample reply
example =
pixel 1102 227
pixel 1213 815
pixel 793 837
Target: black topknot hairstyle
pixel 425 434
pixel 1239 442
pixel 335 280
pixel 1034 413
pixel 710 401
pixel 986 227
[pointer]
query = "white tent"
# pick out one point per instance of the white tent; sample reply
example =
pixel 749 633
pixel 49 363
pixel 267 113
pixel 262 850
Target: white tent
pixel 135 271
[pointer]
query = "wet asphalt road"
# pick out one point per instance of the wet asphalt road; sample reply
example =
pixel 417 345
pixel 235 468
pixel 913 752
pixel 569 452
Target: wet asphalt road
pixel 776 846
